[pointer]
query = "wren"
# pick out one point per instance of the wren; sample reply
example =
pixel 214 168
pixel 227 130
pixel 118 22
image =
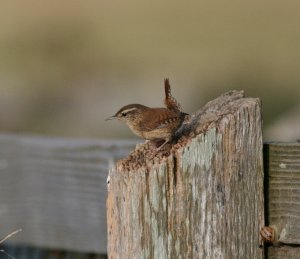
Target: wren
pixel 155 124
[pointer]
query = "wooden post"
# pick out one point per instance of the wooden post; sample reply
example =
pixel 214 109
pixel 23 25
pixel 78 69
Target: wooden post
pixel 203 198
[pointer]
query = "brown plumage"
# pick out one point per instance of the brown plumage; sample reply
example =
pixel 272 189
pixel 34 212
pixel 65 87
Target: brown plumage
pixel 155 124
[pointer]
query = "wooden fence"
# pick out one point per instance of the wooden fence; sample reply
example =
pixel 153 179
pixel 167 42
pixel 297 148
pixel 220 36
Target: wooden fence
pixel 55 190
pixel 202 199
pixel 19 208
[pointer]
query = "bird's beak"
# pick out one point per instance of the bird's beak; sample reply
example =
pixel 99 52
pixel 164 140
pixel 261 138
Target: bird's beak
pixel 111 118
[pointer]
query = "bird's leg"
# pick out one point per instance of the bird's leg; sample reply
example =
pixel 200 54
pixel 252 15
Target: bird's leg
pixel 163 144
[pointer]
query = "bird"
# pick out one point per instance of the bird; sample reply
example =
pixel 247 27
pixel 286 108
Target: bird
pixel 155 124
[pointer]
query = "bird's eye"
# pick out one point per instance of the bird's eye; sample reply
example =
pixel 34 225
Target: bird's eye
pixel 123 114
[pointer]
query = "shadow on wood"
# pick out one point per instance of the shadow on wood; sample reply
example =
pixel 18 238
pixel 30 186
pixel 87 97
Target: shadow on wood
pixel 199 198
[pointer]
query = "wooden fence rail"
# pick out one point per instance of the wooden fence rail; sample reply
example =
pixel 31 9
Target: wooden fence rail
pixel 282 182
pixel 55 190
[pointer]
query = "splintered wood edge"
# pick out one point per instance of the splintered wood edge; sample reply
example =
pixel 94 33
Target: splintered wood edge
pixel 145 155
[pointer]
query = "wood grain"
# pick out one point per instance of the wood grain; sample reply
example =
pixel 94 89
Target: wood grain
pixel 283 188
pixel 55 190
pixel 203 200
pixel 286 252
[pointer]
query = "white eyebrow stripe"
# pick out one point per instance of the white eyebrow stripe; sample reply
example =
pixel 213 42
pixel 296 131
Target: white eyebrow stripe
pixel 129 110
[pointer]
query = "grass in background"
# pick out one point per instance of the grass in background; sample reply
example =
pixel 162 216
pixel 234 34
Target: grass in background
pixel 67 65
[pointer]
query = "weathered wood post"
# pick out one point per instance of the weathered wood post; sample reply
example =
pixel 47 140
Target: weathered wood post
pixel 201 199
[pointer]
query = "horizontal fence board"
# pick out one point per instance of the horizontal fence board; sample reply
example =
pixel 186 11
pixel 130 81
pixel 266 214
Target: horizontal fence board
pixel 282 163
pixel 55 190
pixel 286 252
pixel 27 252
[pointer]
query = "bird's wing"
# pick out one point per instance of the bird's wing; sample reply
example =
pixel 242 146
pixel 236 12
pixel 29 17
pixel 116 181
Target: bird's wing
pixel 164 119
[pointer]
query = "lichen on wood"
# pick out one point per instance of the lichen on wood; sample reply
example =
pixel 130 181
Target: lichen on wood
pixel 200 197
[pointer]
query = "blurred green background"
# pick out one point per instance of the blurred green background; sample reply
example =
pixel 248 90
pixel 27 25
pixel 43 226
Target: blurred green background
pixel 67 65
